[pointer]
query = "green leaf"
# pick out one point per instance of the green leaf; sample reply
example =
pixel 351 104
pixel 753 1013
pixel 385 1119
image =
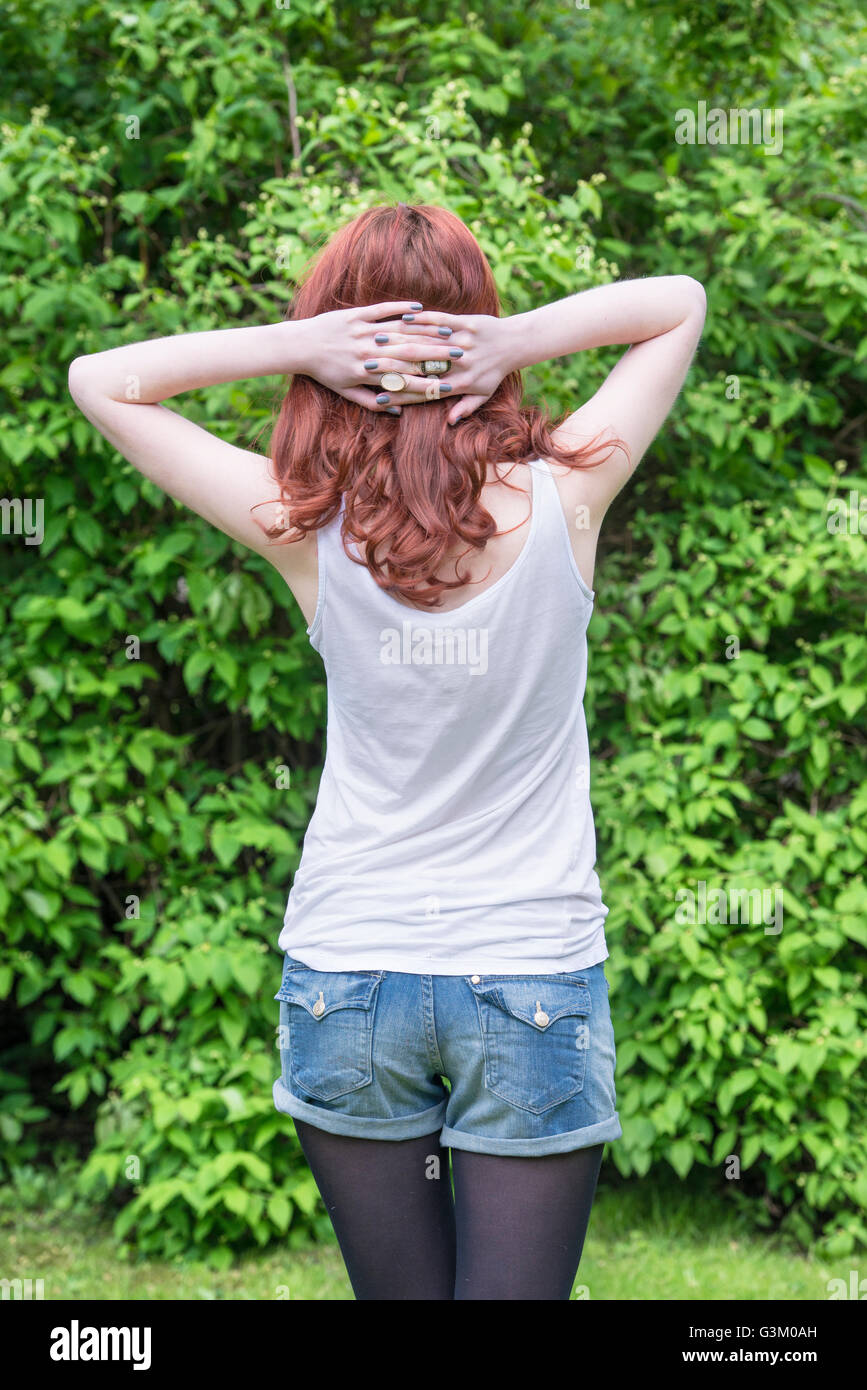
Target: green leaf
pixel 258 675
pixel 757 728
pixel 141 755
pixel 72 613
pixel 81 987
pixel 28 755
pixel 44 905
pixel 196 667
pixel 851 700
pixel 174 984
pixel 680 1156
pixel 280 1211
pixel 752 1147
pixel 233 1030
pixel 47 678
pixel 237 1200
pixel 225 844
pixel 788 1055
pixel 125 495
pixel 87 532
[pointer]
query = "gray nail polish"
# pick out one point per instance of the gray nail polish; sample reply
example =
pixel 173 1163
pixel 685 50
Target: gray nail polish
pixel 381 338
pixel 370 366
pixel 408 318
pixel 383 399
pixel 416 306
pixel 444 387
pixel 392 410
pixel 444 332
pixel 456 352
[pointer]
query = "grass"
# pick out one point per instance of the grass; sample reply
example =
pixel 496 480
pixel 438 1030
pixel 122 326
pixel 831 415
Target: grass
pixel 653 1240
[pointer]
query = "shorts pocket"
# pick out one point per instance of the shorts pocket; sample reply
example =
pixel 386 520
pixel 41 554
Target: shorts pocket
pixel 536 1035
pixel 328 1031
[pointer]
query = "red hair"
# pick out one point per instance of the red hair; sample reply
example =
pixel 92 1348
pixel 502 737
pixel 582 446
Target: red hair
pixel 411 482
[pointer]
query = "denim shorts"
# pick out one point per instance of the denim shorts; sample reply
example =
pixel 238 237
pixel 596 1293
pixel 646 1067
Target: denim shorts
pixel 529 1058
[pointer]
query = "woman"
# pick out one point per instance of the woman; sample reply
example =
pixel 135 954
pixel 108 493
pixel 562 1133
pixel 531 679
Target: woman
pixel 443 982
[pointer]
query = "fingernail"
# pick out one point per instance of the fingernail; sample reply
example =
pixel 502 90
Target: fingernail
pixel 393 410
pixel 444 332
pixel 444 386
pixel 408 318
pixel 458 421
pixel 383 399
pixel 370 366
pixel 416 306
pixel 456 352
pixel 381 338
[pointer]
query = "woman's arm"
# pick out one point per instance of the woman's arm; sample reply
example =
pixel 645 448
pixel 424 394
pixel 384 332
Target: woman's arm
pixel 329 347
pixel 662 317
pixel 631 311
pixel 119 391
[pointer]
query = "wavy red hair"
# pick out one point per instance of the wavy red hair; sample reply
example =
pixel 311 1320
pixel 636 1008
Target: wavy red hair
pixel 411 482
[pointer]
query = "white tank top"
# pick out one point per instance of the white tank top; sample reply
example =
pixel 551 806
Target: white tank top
pixel 453 832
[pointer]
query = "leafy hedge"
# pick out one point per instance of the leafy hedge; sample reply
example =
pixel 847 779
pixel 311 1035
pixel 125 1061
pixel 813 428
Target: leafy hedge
pixel 162 710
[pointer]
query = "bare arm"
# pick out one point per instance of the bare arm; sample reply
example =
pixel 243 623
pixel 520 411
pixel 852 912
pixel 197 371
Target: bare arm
pixel 661 317
pixel 121 390
pixel 631 311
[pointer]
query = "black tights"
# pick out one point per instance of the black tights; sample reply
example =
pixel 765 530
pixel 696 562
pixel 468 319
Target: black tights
pixel 513 1230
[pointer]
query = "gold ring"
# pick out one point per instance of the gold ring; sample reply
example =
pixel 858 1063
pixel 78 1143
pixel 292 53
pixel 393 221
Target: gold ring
pixel 435 368
pixel 392 381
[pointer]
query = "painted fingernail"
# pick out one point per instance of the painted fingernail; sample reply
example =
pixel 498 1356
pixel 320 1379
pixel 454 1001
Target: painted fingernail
pixel 370 366
pixel 456 352
pixel 444 387
pixel 383 399
pixel 408 318
pixel 458 421
pixel 381 338
pixel 444 332
pixel 393 410
pixel 416 306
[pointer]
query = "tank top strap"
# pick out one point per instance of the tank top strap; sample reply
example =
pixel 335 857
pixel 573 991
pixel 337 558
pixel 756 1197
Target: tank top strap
pixel 330 561
pixel 336 551
pixel 546 498
pixel 553 524
pixel 330 539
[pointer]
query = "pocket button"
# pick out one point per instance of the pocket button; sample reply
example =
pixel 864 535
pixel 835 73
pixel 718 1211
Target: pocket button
pixel 540 1016
pixel 319 1006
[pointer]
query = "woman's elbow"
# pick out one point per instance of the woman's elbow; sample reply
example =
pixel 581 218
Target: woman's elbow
pixel 696 291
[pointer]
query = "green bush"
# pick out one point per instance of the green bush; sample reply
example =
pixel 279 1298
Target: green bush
pixel 157 681
pixel 743 770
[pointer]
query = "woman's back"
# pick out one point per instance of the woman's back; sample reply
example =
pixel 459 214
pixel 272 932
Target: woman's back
pixel 453 830
pixel 506 496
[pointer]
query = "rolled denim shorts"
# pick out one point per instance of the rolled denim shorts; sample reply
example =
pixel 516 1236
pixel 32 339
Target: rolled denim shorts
pixel 529 1059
